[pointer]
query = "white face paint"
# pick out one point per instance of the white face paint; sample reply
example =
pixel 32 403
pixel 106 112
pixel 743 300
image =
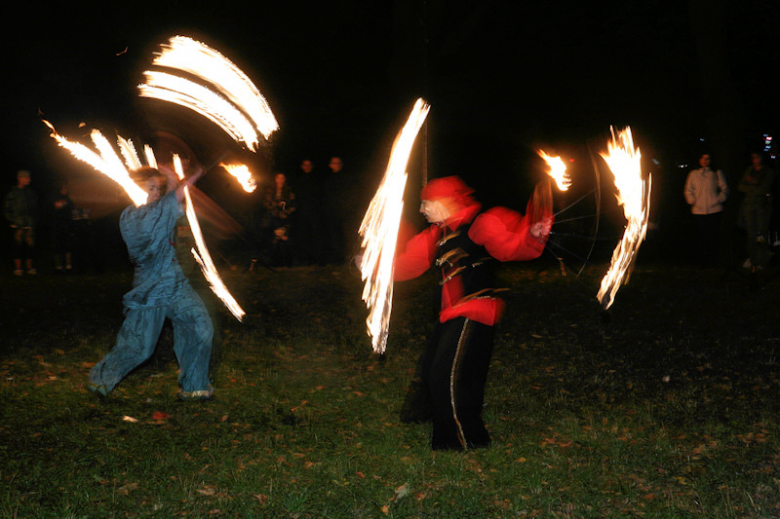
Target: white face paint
pixel 434 211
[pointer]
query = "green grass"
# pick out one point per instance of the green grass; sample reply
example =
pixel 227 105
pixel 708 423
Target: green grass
pixel 665 406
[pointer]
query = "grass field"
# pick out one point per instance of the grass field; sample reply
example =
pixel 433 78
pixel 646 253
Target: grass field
pixel 667 405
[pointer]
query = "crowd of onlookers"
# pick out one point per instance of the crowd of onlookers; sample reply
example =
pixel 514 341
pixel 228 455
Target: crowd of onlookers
pixel 707 192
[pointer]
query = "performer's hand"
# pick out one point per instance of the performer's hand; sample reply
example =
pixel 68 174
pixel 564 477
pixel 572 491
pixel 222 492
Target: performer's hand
pixel 541 229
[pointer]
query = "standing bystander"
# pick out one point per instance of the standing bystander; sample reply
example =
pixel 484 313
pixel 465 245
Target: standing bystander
pixel 705 191
pixel 22 212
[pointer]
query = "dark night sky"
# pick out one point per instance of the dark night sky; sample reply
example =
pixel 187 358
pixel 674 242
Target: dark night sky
pixel 502 76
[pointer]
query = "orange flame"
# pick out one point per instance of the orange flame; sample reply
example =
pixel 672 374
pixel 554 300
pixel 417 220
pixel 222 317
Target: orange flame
pixel 557 170
pixel 380 231
pixel 242 174
pixel 634 195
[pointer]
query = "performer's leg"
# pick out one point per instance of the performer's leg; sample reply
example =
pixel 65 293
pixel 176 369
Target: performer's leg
pixel 193 334
pixel 135 343
pixel 417 403
pixel 457 383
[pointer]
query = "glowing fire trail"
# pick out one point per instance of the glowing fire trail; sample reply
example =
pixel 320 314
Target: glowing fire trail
pixel 230 100
pixel 380 231
pixel 202 255
pixel 634 195
pixel 557 170
pixel 242 174
pixel 107 161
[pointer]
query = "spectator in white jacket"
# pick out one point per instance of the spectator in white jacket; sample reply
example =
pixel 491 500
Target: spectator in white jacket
pixel 705 191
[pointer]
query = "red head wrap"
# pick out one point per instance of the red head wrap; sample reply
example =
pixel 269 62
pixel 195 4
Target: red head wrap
pixel 447 187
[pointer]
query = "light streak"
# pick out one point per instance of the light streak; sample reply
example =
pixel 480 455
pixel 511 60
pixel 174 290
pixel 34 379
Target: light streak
pixel 634 195
pixel 242 174
pixel 379 230
pixel 557 170
pixel 201 252
pixel 105 161
pixel 228 97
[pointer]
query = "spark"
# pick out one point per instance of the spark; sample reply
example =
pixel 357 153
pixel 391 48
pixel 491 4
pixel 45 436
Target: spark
pixel 228 97
pixel 242 174
pixel 557 170
pixel 634 195
pixel 379 230
pixel 201 253
pixel 104 160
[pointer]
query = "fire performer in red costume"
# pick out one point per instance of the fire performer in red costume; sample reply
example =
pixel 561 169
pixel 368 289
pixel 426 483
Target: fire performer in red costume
pixel 462 242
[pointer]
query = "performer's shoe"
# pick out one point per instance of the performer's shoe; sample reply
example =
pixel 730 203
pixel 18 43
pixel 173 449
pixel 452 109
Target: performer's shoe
pixel 198 395
pixel 98 389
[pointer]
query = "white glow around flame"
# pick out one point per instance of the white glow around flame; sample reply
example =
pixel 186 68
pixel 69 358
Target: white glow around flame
pixel 380 231
pixel 634 195
pixel 557 170
pixel 242 174
pixel 223 93
pixel 202 255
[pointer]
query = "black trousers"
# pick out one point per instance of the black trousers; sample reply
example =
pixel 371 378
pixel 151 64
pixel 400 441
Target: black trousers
pixel 449 385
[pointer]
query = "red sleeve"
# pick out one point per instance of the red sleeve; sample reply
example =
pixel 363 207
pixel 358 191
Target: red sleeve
pixel 506 235
pixel 415 256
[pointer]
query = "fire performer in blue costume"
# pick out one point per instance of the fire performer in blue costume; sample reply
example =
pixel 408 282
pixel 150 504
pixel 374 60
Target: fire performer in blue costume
pixel 463 241
pixel 160 291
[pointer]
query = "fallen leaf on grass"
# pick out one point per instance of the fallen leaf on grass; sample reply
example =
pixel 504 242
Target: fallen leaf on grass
pixel 208 490
pixel 262 498
pixel 160 416
pixel 129 419
pixel 125 489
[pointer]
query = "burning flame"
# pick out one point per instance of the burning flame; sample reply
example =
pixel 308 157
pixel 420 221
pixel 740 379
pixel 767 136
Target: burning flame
pixel 106 160
pixel 230 100
pixel 380 231
pixel 634 195
pixel 242 174
pixel 557 170
pixel 202 255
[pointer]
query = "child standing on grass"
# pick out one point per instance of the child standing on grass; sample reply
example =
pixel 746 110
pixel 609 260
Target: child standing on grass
pixel 160 291
pixel 462 241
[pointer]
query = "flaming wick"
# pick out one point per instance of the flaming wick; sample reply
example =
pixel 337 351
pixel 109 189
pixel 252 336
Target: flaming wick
pixel 634 195
pixel 242 174
pixel 557 170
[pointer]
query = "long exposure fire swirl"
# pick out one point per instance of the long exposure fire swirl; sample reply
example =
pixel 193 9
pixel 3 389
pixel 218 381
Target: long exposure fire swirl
pixel 379 230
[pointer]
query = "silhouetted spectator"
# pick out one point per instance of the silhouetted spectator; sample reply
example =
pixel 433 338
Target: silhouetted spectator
pixel 280 203
pixel 23 213
pixel 308 188
pixel 756 211
pixel 62 230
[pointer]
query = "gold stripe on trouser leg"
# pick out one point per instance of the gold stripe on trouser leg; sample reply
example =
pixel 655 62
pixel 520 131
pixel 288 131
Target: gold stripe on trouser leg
pixel 453 377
